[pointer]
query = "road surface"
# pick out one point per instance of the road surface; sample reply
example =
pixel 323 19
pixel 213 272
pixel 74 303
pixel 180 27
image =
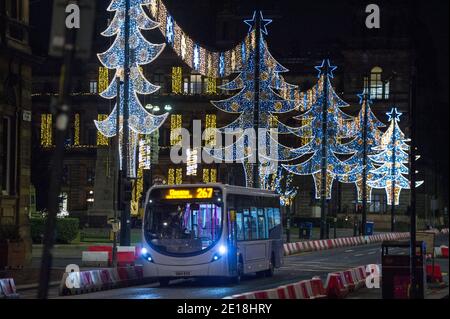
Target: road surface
pixel 295 268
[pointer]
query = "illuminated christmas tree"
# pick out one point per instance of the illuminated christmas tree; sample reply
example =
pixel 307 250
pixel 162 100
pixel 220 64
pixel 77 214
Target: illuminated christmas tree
pixel 373 139
pixel 392 158
pixel 326 138
pixel 141 52
pixel 282 184
pixel 271 103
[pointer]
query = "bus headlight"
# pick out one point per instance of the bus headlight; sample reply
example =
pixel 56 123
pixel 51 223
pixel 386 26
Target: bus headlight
pixel 146 255
pixel 222 250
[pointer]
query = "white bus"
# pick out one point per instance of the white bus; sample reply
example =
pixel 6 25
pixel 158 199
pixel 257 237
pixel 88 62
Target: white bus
pixel 211 230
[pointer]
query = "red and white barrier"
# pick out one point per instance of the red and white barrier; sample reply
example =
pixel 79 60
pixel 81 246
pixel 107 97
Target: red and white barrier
pixel 316 245
pixel 335 286
pixel 99 279
pixel 318 290
pixel 126 255
pixel 338 285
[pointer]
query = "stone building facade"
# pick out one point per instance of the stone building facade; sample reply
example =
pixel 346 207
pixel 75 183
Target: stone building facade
pixel 15 116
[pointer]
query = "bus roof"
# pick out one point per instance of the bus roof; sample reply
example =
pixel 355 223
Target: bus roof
pixel 229 189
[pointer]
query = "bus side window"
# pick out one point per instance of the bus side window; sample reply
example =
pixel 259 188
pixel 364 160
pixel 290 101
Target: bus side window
pixel 262 224
pixel 276 215
pixel 254 223
pixel 247 225
pixel 270 218
pixel 240 228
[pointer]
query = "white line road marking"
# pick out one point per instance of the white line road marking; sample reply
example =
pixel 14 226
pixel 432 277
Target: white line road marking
pixel 359 255
pixel 371 252
pixel 349 251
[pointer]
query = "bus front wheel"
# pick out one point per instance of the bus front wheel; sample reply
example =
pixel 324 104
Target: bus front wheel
pixel 269 272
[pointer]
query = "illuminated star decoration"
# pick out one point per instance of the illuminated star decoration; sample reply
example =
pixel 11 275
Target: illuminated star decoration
pixel 264 23
pixel 364 96
pixel 394 114
pixel 326 68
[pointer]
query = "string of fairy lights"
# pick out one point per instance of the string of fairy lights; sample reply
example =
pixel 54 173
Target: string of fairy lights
pixel 212 64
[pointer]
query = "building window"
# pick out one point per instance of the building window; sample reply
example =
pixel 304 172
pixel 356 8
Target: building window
pixel 6 155
pixel 93 89
pixel 209 175
pixel 211 85
pixel 76 129
pixel 196 84
pixel 102 140
pixel 175 176
pixel 192 162
pixel 46 130
pixel 177 78
pixel 103 79
pixel 378 89
pixel 210 130
pixel 176 122
pixel 63 204
pixel 186 85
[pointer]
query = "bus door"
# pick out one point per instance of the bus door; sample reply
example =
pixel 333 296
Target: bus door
pixel 232 242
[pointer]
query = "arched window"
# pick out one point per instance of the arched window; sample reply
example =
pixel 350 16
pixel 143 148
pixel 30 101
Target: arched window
pixel 378 89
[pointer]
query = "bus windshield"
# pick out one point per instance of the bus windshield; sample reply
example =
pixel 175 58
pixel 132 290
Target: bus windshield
pixel 182 227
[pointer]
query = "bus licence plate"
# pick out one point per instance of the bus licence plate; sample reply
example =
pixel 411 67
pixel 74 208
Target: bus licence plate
pixel 182 273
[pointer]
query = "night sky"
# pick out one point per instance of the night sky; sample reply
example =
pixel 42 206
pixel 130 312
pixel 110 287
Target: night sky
pixel 301 27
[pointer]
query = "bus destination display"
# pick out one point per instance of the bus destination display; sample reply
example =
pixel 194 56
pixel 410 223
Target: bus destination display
pixel 194 193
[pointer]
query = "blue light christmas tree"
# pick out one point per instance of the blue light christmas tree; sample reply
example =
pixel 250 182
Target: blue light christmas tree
pixel 282 184
pixel 327 142
pixel 373 139
pixel 392 160
pixel 271 103
pixel 141 52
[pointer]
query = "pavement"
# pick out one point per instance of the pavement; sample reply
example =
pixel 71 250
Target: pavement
pixel 295 268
